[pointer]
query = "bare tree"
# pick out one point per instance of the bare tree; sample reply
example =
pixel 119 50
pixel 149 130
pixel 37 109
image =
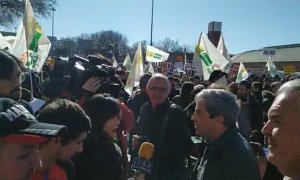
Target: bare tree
pixel 85 36
pixel 11 10
pixel 135 46
pixel 169 45
pixel 62 51
pixel 186 48
pixel 104 39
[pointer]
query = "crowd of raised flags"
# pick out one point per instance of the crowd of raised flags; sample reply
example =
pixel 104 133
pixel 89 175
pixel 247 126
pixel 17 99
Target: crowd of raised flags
pixel 32 46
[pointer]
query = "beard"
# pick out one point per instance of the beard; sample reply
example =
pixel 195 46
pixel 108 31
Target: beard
pixel 257 93
pixel 243 99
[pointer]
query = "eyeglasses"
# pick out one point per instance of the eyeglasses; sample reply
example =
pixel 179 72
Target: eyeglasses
pixel 159 89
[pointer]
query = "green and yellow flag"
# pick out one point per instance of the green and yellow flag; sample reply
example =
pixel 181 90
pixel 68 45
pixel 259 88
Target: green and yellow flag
pixel 155 55
pixel 31 44
pixel 207 58
pixel 242 74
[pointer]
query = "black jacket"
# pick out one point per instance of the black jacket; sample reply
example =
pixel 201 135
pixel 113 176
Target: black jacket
pixel 256 114
pixel 229 157
pixel 136 101
pixel 167 129
pixel 99 160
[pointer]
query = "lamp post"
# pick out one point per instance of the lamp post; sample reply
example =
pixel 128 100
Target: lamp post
pixel 151 23
pixel 52 49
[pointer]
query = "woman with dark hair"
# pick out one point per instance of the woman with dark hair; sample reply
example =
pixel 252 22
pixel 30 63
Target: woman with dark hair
pixel 185 96
pixel 101 157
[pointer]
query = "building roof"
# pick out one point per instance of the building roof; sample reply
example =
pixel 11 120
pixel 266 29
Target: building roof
pixel 283 53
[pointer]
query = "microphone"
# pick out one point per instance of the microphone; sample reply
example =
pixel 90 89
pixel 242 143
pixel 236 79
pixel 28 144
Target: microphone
pixel 143 162
pixel 146 151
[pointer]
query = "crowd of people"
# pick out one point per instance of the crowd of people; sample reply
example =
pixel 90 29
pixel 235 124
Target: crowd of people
pixel 90 128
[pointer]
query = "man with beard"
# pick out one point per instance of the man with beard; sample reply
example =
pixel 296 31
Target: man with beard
pixel 256 91
pixel 251 110
pixel 283 130
pixel 11 77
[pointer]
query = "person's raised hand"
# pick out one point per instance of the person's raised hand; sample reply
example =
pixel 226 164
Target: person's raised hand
pixel 92 84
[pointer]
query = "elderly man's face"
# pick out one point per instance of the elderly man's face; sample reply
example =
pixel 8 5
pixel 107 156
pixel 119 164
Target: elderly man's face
pixel 158 91
pixel 283 132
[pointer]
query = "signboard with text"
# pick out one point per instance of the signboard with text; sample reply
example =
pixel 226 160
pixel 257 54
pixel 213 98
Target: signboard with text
pixel 289 69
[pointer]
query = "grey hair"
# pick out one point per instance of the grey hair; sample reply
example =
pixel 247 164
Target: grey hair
pixel 293 85
pixel 159 76
pixel 220 102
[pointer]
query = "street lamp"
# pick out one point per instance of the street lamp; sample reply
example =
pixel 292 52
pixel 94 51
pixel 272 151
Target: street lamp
pixel 151 23
pixel 52 48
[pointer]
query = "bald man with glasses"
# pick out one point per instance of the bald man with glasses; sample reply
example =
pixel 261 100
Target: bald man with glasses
pixel 164 124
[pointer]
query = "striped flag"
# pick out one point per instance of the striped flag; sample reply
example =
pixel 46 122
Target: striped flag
pixel 155 55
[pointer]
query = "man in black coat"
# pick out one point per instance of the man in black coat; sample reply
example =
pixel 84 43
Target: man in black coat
pixel 165 126
pixel 251 116
pixel 228 156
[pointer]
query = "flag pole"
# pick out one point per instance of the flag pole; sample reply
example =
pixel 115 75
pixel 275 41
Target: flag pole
pixel 30 76
pixel 151 23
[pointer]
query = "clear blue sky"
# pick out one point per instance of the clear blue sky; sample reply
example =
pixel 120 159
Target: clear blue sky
pixel 247 24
